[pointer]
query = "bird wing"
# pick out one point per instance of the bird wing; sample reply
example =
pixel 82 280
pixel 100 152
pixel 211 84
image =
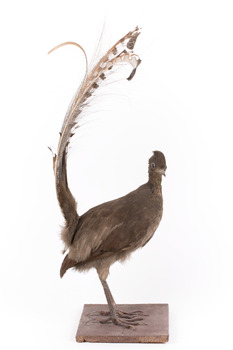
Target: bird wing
pixel 112 227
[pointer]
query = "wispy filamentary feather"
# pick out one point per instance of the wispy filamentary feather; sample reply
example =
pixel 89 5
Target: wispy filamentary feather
pixel 121 52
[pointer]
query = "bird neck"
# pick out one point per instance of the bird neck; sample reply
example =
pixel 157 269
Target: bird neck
pixel 155 181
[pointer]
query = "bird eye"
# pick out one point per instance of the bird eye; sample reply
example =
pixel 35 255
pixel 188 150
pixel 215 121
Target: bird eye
pixel 152 165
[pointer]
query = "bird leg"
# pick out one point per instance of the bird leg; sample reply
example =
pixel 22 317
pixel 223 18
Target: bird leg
pixel 120 318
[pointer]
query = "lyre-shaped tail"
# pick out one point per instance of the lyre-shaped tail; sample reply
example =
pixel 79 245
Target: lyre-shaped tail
pixel 121 52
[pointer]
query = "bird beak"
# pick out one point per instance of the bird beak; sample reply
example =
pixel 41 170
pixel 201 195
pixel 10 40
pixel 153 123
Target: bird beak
pixel 161 171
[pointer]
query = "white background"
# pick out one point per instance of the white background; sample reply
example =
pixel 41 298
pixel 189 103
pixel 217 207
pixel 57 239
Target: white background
pixel 179 102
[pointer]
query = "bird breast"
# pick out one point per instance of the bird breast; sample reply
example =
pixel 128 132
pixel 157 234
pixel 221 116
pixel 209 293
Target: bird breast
pixel 121 225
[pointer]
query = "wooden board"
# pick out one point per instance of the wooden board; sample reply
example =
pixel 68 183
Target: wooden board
pixel 154 327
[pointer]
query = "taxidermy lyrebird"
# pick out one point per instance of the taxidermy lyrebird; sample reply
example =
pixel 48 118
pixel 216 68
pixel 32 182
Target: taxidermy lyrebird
pixel 111 231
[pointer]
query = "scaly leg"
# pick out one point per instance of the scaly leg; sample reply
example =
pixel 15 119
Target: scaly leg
pixel 124 319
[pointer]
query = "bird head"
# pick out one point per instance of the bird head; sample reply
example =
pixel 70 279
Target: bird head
pixel 157 165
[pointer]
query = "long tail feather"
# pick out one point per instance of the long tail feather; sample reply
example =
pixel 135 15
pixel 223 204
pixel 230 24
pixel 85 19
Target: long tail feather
pixel 121 52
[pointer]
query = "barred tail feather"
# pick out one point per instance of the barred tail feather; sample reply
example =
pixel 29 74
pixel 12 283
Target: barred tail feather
pixel 121 53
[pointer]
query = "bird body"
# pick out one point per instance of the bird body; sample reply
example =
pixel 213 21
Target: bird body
pixel 113 230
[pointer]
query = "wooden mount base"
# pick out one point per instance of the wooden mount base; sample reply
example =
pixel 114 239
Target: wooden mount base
pixel 154 327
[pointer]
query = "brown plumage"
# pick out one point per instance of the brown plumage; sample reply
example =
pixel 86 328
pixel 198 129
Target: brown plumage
pixel 111 231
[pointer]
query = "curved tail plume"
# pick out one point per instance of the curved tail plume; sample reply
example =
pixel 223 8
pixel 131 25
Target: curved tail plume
pixel 121 53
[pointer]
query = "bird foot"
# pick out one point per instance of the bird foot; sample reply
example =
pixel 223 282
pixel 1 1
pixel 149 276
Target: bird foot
pixel 123 314
pixel 121 318
pixel 121 322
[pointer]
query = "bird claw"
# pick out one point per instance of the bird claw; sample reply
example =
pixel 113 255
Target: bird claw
pixel 123 314
pixel 122 318
pixel 117 321
pixel 131 315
